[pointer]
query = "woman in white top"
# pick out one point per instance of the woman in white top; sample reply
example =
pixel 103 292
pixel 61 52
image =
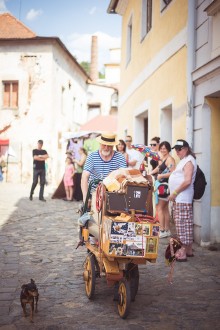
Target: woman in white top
pixel 181 194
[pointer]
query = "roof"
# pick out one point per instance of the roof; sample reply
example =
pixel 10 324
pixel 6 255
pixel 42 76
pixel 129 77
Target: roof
pixel 10 27
pixel 112 7
pixel 12 30
pixel 101 124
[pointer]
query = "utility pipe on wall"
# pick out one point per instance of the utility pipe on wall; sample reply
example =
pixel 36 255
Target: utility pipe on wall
pixel 190 68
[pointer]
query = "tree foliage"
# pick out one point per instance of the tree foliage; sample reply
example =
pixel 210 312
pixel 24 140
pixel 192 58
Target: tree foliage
pixel 86 66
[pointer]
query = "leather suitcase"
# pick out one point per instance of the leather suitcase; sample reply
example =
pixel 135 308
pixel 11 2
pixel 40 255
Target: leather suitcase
pixel 134 198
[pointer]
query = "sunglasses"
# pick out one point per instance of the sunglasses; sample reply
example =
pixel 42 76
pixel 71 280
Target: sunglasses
pixel 179 149
pixel 128 141
pixel 153 144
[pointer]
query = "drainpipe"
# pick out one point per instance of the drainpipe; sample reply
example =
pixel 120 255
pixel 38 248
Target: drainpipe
pixel 190 68
pixel 202 210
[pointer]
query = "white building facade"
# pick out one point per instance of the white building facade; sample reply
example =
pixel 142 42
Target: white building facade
pixel 44 94
pixel 205 122
pixel 51 99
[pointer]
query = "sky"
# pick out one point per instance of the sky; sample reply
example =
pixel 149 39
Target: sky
pixel 73 21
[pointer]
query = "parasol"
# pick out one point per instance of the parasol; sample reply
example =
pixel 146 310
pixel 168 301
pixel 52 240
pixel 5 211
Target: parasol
pixel 146 151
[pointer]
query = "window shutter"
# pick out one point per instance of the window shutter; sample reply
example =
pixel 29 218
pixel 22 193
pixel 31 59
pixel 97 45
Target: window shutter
pixel 6 95
pixel 14 98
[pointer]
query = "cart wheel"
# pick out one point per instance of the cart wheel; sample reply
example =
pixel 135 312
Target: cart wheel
pixel 99 197
pixel 133 275
pixel 124 298
pixel 89 275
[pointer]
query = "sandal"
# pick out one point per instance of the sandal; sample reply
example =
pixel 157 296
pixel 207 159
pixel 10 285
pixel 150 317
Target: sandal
pixel 190 255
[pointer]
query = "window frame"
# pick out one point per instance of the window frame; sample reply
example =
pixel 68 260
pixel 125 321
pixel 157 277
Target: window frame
pixel 146 19
pixel 164 4
pixel 129 40
pixel 10 102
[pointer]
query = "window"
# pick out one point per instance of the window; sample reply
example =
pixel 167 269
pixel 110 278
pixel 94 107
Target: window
pixel 114 100
pixel 164 4
pixel 129 41
pixel 94 110
pixel 10 94
pixel 146 17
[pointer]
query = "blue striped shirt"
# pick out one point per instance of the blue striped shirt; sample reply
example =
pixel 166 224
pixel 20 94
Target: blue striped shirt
pixel 99 169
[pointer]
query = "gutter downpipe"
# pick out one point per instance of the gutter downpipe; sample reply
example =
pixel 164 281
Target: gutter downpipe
pixel 191 38
pixel 190 67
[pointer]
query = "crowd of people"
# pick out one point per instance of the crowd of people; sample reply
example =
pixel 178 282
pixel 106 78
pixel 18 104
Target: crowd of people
pixel 79 152
pixel 104 153
pixel 180 179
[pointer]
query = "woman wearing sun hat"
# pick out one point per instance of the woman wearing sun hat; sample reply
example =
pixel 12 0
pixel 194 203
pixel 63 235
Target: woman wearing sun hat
pixel 181 194
pixel 101 162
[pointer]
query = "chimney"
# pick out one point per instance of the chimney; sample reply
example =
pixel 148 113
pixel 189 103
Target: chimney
pixel 94 59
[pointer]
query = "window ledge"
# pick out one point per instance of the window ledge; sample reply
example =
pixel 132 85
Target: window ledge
pixel 11 109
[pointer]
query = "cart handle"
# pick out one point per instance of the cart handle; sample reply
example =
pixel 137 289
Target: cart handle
pixel 85 206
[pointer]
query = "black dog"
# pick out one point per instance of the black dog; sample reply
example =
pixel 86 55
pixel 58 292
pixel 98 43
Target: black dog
pixel 29 294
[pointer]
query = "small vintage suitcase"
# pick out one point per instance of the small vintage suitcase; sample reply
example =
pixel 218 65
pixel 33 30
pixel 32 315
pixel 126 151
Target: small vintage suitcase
pixel 135 198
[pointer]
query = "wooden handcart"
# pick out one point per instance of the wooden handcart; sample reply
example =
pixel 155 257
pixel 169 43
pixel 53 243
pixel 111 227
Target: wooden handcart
pixel 126 235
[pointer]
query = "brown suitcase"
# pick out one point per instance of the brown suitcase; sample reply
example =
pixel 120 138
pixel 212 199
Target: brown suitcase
pixel 134 198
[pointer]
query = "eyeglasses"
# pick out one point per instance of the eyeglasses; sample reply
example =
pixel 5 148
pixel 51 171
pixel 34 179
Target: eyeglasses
pixel 128 141
pixel 153 144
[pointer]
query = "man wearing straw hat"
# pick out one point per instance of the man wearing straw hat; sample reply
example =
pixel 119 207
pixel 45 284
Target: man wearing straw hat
pixel 101 162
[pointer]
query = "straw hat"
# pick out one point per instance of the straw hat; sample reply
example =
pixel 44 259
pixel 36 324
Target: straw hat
pixel 108 139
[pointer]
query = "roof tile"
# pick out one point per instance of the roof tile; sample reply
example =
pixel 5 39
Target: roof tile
pixel 11 28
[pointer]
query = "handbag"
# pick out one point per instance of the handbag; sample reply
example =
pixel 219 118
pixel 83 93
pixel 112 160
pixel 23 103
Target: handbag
pixel 163 190
pixel 174 245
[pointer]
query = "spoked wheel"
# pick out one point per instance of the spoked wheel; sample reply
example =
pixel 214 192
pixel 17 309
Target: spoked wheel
pixel 124 298
pixel 133 276
pixel 89 275
pixel 99 197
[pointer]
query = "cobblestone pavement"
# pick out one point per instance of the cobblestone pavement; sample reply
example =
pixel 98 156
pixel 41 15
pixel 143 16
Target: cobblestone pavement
pixel 38 240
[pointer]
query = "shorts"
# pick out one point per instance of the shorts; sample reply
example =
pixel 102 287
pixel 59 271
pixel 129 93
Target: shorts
pixel 183 217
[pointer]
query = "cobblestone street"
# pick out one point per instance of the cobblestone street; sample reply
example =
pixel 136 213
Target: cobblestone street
pixel 38 240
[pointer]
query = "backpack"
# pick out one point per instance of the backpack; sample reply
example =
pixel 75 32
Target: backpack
pixel 199 184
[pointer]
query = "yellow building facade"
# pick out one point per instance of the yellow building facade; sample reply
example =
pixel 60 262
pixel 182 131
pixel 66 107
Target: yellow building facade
pixel 170 86
pixel 153 73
